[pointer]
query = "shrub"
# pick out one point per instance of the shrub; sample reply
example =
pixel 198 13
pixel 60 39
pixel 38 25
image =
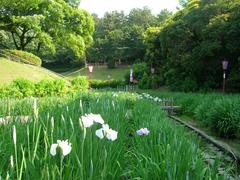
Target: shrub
pixel 138 70
pixel 156 81
pixel 43 88
pixel 189 85
pixel 224 117
pixel 5 91
pixel 189 102
pixel 80 83
pixel 145 82
pixel 50 88
pixel 201 112
pixel 25 88
pixel 233 82
pixel 22 88
pixel 26 57
pixel 98 84
pixel 59 87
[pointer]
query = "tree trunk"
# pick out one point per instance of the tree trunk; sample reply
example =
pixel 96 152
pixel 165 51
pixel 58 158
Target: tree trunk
pixel 15 42
pixel 39 47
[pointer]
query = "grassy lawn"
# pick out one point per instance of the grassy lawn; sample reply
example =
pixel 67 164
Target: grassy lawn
pixel 10 70
pixel 101 73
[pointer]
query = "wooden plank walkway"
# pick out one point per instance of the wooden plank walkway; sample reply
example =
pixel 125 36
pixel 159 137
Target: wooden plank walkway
pixel 221 145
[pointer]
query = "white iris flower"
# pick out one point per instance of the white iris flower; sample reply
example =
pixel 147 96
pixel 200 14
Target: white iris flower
pixel 65 146
pixel 107 132
pixel 89 119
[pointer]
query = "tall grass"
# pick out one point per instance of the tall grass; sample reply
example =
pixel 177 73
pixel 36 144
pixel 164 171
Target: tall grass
pixel 168 152
pixel 218 111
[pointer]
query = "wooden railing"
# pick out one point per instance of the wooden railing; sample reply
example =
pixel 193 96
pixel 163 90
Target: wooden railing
pixel 167 104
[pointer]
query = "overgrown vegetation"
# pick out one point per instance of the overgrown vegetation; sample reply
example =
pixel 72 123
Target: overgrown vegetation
pixel 26 147
pixel 220 113
pixel 24 56
pixel 59 87
pixel 188 49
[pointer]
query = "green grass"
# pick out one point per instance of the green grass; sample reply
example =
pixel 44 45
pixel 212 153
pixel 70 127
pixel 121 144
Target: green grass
pixel 100 73
pixel 168 152
pixel 10 71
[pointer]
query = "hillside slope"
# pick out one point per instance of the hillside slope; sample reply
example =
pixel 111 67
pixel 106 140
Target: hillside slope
pixel 10 70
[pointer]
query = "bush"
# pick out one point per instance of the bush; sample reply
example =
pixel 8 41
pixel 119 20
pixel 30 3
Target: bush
pixel 25 88
pixel 80 83
pixel 201 112
pixel 138 71
pixel 5 91
pixel 155 82
pixel 224 117
pixel 233 82
pixel 22 88
pixel 59 87
pixel 98 84
pixel 50 88
pixel 43 88
pixel 189 85
pixel 26 57
pixel 145 82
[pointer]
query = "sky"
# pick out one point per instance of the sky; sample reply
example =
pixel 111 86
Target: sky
pixel 101 6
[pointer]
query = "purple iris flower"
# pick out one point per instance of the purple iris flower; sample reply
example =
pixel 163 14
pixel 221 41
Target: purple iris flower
pixel 143 132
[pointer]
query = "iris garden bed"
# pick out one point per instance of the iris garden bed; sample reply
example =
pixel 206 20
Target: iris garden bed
pixel 167 152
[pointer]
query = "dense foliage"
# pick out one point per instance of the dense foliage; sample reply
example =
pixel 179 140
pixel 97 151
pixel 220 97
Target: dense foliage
pixel 220 113
pixel 59 87
pixel 119 37
pixel 143 77
pixel 46 27
pixel 98 84
pixel 24 56
pixel 26 146
pixel 80 83
pixel 25 88
pixel 188 49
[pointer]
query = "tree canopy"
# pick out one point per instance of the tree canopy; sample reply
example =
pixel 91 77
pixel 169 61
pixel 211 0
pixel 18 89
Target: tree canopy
pixel 120 37
pixel 46 25
pixel 189 47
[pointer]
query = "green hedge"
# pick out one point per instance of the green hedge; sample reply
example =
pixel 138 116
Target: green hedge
pixel 99 84
pixel 25 88
pixel 80 82
pixel 26 57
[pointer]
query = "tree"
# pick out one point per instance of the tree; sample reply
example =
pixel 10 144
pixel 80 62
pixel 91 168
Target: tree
pixel 74 3
pixel 194 41
pixel 183 3
pixel 163 16
pixel 119 36
pixel 46 24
